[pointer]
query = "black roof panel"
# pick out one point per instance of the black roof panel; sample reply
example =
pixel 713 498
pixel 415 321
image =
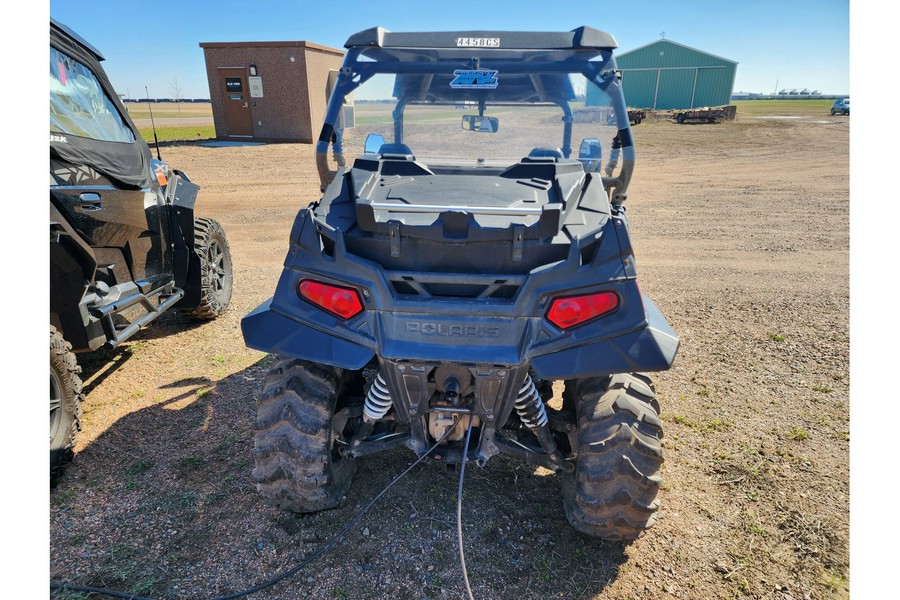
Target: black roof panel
pixel 580 38
pixel 77 38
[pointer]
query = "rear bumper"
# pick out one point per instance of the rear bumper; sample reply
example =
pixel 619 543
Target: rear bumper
pixel 650 347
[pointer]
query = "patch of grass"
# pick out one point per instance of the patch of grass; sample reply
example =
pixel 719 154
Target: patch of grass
pixel 180 133
pixel 203 391
pixel 824 389
pixel 142 586
pixel 218 359
pixel 798 434
pixel 191 463
pixel 776 337
pixel 710 426
pixel 758 108
pixel 181 505
pixel 120 559
pixel 717 424
pixel 757 530
pixel 69 595
pixel 227 441
pixel 681 420
pixel 340 593
pixel 833 581
pixel 62 497
pixel 139 467
pixel 787 455
pixel 137 395
pixel 704 392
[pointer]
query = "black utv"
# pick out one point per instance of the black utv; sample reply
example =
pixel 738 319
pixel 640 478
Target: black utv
pixel 124 243
pixel 467 253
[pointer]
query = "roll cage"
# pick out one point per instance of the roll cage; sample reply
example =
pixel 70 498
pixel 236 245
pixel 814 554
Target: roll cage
pixel 535 67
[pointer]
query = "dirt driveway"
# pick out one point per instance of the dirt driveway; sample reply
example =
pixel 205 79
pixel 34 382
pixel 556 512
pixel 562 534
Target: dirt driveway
pixel 741 236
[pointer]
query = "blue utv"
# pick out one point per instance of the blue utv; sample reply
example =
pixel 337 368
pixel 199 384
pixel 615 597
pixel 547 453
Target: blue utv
pixel 467 270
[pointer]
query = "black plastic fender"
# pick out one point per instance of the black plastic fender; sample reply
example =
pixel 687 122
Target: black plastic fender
pixel 650 348
pixel 270 331
pixel 181 195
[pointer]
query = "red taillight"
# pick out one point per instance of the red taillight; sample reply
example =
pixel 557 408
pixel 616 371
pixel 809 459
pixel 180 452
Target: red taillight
pixel 575 310
pixel 341 301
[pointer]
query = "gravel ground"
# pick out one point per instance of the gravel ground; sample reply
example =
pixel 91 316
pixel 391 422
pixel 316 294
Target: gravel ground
pixel 740 231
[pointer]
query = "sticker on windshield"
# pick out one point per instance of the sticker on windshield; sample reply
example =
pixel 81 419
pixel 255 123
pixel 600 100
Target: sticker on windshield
pixel 476 78
pixel 467 42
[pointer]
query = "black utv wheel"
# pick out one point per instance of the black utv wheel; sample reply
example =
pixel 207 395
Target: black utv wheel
pixel 612 492
pixel 65 403
pixel 298 467
pixel 211 246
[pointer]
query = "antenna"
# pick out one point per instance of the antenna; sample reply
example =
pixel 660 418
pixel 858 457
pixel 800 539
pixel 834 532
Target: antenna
pixel 158 157
pixel 662 35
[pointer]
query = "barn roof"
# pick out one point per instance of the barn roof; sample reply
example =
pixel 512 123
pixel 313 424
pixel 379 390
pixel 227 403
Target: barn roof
pixel 668 41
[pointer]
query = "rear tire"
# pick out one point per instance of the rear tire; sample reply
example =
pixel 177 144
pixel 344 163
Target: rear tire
pixel 612 492
pixel 65 403
pixel 211 245
pixel 297 465
pixel 680 119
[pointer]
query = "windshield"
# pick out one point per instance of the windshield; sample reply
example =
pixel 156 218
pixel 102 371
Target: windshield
pixel 78 104
pixel 479 107
pixel 468 132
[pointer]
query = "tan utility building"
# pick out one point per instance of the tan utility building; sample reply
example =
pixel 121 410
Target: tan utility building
pixel 269 91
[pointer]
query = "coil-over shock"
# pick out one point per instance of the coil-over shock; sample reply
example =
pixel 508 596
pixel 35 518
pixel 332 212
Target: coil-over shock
pixel 378 400
pixel 532 413
pixel 378 403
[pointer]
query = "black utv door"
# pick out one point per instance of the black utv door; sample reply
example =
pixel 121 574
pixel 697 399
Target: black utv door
pixel 97 180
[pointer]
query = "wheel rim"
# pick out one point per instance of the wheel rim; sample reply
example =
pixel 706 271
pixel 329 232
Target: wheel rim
pixel 55 404
pixel 218 268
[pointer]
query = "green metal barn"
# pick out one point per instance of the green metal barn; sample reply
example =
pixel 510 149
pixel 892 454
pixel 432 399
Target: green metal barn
pixel 667 75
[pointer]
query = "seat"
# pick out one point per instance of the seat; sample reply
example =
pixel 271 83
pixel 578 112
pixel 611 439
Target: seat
pixel 546 153
pixel 401 151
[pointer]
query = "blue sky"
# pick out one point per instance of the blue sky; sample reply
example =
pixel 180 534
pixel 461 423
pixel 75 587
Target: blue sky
pixel 796 43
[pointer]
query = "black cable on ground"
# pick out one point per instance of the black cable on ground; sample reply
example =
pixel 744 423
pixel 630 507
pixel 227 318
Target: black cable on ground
pixel 459 531
pixel 305 561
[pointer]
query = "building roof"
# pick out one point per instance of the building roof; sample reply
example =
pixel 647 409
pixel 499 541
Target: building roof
pixel 668 41
pixel 288 44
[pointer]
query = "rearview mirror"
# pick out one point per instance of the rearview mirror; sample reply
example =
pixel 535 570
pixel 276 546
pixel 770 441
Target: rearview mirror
pixel 374 142
pixel 590 148
pixel 590 153
pixel 480 124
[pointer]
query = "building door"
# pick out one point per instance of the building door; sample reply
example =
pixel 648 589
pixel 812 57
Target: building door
pixel 236 95
pixel 676 89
